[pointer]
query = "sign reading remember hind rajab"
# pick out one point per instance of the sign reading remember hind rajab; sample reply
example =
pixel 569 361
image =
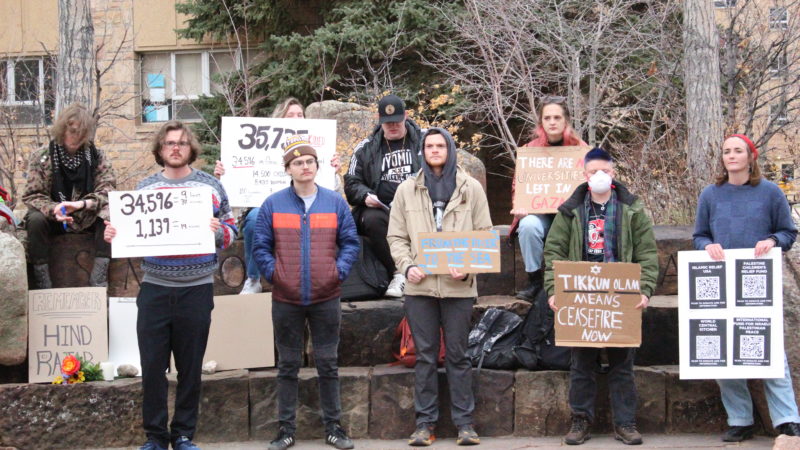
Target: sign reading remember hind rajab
pixel 64 322
pixel 466 251
pixel 731 315
pixel 597 304
pixel 546 176
pixel 252 152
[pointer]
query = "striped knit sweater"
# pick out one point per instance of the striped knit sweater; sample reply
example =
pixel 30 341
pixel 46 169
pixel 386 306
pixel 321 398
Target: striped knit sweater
pixel 190 270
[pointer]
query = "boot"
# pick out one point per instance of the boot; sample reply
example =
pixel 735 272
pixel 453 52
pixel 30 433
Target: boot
pixel 535 283
pixel 99 276
pixel 41 276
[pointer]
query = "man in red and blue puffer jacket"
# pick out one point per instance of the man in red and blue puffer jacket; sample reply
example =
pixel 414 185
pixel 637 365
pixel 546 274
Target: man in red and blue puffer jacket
pixel 305 243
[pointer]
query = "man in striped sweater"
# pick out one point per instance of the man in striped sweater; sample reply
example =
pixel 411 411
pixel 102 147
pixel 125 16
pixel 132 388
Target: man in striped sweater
pixel 176 298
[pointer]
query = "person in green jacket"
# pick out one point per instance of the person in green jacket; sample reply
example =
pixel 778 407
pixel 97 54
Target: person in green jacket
pixel 602 222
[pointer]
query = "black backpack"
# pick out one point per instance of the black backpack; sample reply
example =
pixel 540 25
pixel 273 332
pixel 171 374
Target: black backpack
pixel 491 342
pixel 368 278
pixel 536 349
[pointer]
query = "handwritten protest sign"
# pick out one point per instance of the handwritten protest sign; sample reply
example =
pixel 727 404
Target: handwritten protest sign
pixel 162 222
pixel 546 176
pixel 65 322
pixel 252 152
pixel 730 314
pixel 467 251
pixel 597 304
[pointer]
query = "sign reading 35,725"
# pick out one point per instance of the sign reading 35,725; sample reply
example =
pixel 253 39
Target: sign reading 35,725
pixel 161 222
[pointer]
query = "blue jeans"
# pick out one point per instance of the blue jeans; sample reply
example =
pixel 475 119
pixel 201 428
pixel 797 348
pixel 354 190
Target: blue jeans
pixel 532 230
pixel 324 321
pixel 621 386
pixel 780 400
pixel 249 230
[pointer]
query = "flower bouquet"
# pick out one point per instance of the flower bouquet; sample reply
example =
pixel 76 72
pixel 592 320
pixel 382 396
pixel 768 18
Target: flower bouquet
pixel 75 370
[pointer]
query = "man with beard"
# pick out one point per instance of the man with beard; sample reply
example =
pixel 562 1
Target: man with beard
pixel 67 192
pixel 379 164
pixel 176 298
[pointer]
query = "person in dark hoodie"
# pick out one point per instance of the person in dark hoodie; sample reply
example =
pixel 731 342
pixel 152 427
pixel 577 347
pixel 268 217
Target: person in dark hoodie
pixel 379 164
pixel 602 222
pixel 442 197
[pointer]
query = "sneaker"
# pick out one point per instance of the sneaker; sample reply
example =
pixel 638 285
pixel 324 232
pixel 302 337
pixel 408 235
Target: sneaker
pixel 579 432
pixel 423 437
pixel 251 286
pixel 789 428
pixel 337 437
pixel 184 443
pixel 152 445
pixel 628 434
pixel 396 286
pixel 738 434
pixel 284 440
pixel 467 436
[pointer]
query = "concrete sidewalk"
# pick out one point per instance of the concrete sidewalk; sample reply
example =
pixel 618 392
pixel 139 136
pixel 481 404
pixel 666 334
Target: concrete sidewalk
pixel 663 441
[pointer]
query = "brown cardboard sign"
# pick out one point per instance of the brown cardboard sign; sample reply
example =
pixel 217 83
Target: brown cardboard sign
pixel 241 332
pixel 597 304
pixel 72 321
pixel 545 177
pixel 466 251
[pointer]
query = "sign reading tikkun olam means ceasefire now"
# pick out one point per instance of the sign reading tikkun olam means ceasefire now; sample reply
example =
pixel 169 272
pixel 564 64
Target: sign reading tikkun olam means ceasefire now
pixel 597 304
pixel 545 177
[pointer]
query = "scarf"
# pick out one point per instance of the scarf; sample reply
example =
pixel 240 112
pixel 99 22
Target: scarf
pixel 71 172
pixel 609 230
pixel 440 188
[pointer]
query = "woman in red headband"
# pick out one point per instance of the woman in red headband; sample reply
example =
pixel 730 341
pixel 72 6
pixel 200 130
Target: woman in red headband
pixel 743 210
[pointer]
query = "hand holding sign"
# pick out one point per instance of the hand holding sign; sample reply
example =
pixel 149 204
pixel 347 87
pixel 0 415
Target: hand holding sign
pixel 161 222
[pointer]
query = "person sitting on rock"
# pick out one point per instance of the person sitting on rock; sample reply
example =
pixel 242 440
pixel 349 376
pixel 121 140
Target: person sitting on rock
pixel 67 192
pixel 379 164
pixel 602 222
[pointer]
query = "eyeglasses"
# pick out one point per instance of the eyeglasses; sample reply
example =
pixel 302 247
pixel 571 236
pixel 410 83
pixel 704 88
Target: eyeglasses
pixel 170 144
pixel 301 163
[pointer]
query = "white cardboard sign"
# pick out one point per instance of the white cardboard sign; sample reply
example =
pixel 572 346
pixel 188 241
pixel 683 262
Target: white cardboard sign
pixel 123 345
pixel 252 152
pixel 162 222
pixel 731 315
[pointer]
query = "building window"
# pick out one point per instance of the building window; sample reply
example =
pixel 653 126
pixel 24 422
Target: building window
pixel 724 3
pixel 27 90
pixel 778 18
pixel 777 114
pixel 172 81
pixel 778 64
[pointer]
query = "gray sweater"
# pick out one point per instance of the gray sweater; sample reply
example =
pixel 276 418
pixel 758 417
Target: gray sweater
pixel 740 216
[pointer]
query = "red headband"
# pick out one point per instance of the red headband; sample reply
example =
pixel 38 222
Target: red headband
pixel 749 143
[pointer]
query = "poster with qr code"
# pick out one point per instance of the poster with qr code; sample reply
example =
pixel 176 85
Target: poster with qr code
pixel 730 315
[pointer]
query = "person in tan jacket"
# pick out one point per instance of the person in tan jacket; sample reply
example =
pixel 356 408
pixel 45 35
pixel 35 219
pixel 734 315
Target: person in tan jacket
pixel 442 197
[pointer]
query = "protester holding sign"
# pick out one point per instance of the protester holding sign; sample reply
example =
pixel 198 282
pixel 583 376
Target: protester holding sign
pixel 442 197
pixel 176 298
pixel 743 210
pixel 305 244
pixel 553 130
pixel 602 222
pixel 291 108
pixel 67 192
pixel 379 164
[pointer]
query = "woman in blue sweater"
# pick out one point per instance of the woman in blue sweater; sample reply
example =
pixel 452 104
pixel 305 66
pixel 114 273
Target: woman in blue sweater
pixel 743 210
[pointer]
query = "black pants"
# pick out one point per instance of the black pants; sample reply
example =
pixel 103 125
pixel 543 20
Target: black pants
pixel 621 386
pixel 172 320
pixel 373 223
pixel 40 228
pixel 324 321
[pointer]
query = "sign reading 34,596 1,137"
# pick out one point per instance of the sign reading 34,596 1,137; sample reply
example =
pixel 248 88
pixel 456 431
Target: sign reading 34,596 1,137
pixel 252 152
pixel 161 222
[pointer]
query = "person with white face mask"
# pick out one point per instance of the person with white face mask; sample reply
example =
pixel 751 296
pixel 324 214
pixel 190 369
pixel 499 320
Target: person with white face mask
pixel 602 222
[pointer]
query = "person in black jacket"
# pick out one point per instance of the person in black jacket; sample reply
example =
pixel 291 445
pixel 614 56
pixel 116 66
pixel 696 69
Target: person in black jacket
pixel 379 164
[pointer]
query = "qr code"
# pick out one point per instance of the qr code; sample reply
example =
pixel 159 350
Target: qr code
pixel 707 347
pixel 754 286
pixel 706 288
pixel 751 346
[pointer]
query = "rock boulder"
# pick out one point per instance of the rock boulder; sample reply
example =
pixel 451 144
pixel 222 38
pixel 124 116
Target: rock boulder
pixel 13 302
